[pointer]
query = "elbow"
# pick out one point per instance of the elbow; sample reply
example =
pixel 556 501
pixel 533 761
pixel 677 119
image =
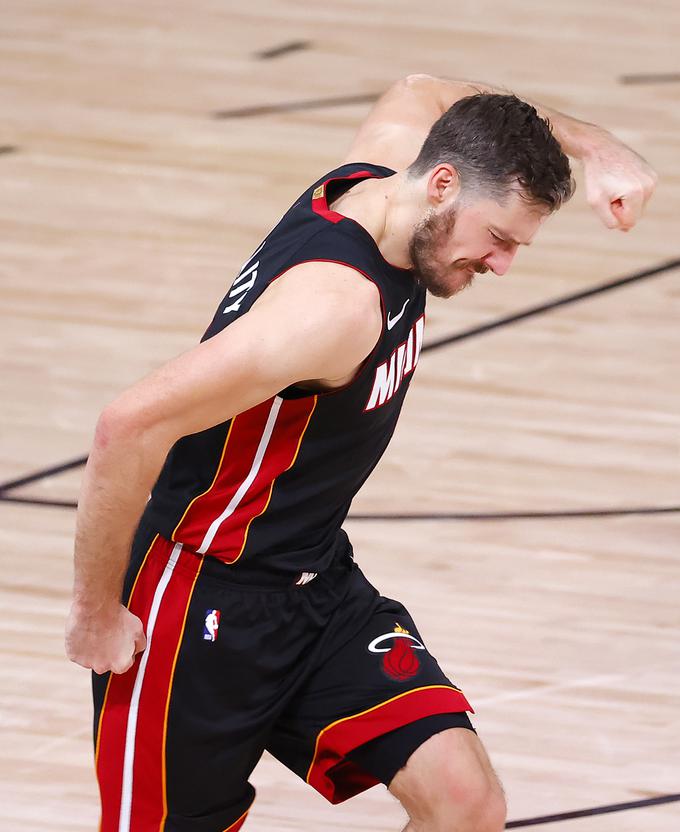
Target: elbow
pixel 415 79
pixel 128 425
pixel 410 84
pixel 116 426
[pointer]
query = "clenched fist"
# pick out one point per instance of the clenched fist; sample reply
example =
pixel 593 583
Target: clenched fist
pixel 618 182
pixel 104 640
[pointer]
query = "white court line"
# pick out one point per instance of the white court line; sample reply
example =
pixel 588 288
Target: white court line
pixel 546 690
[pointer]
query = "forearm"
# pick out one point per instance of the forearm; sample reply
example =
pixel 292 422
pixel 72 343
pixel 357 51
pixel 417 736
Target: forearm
pixel 121 470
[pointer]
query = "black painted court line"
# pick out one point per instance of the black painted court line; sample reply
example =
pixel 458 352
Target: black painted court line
pixel 41 475
pixel 566 300
pixel 433 345
pixel 283 49
pixel 415 517
pixel 36 501
pixel 651 78
pixel 6 149
pixel 295 106
pixel 596 810
pixel 518 515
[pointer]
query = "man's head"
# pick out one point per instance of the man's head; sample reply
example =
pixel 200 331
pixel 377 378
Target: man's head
pixel 493 172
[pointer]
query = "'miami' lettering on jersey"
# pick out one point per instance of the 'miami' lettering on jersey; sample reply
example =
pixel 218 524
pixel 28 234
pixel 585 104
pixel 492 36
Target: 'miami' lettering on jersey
pixel 244 282
pixel 390 374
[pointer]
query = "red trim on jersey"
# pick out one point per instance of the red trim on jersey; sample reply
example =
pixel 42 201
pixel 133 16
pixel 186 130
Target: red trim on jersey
pixel 148 792
pixel 244 435
pixel 291 425
pixel 246 432
pixel 320 204
pixel 173 537
pixel 292 441
pixel 336 777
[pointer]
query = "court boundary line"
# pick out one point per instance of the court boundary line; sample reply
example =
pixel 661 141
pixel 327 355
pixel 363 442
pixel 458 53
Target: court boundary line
pixel 437 344
pixel 44 473
pixel 425 517
pixel 650 78
pixel 300 105
pixel 498 323
pixel 296 106
pixel 595 810
pixel 518 515
pixel 549 306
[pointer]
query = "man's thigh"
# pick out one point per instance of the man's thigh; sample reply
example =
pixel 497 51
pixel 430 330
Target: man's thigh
pixel 375 694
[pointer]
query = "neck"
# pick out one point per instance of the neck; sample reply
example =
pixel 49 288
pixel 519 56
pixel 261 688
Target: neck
pixel 385 208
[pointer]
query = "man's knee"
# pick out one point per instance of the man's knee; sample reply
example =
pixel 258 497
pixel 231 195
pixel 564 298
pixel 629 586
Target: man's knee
pixel 448 784
pixel 472 806
pixel 476 807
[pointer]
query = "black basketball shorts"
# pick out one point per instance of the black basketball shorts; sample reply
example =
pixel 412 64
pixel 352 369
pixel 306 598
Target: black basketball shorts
pixel 331 678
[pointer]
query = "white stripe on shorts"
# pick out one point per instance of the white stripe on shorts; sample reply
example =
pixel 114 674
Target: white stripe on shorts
pixel 131 733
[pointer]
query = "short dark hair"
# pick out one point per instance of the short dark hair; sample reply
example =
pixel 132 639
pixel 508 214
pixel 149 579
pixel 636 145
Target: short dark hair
pixel 494 141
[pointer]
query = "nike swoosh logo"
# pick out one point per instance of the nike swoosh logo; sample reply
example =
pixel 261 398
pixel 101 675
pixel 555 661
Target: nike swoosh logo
pixel 392 321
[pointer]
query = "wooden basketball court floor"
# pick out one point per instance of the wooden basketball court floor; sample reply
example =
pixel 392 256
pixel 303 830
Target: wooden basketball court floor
pixel 527 510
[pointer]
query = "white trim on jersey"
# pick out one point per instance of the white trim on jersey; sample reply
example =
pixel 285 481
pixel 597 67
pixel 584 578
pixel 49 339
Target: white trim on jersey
pixel 131 731
pixel 248 481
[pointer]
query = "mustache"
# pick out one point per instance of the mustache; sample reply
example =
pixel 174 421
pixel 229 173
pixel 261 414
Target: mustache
pixel 477 266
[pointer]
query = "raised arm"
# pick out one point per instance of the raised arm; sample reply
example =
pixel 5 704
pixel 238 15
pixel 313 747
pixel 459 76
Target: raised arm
pixel 618 181
pixel 335 321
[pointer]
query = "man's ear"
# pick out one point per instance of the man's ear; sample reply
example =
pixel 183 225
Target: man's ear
pixel 443 184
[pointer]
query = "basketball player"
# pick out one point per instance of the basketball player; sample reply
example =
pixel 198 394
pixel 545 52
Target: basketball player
pixel 245 624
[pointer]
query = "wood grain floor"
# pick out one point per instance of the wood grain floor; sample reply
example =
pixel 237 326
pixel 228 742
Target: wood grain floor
pixel 127 207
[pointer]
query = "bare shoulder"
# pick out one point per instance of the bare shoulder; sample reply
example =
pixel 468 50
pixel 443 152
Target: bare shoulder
pixel 319 293
pixel 330 309
pixel 395 129
pixel 317 321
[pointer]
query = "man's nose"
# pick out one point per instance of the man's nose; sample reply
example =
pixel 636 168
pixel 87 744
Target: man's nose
pixel 500 261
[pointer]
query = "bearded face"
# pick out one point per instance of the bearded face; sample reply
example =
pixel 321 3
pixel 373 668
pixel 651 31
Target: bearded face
pixel 431 240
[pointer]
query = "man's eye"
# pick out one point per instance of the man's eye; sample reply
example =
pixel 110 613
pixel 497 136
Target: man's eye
pixel 501 240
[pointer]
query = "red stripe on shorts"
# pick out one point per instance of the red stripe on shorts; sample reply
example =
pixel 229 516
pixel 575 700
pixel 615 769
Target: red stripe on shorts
pixel 131 759
pixel 113 718
pixel 344 735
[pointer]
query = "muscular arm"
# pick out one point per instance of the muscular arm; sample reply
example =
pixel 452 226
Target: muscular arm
pixel 316 322
pixel 402 117
pixel 618 181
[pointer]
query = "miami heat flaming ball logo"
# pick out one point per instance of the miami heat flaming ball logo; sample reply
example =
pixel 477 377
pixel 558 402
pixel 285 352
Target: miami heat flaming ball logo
pixel 400 661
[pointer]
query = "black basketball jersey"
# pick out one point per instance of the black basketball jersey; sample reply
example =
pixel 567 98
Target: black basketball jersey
pixel 268 490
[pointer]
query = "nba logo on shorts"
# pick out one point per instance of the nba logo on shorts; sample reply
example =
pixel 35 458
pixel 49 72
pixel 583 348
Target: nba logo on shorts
pixel 211 625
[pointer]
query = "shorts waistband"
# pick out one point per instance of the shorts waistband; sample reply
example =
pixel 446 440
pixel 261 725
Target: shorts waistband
pixel 260 580
pixel 263 574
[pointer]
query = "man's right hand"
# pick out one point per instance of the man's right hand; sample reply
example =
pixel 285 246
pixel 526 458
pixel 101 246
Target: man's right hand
pixel 104 640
